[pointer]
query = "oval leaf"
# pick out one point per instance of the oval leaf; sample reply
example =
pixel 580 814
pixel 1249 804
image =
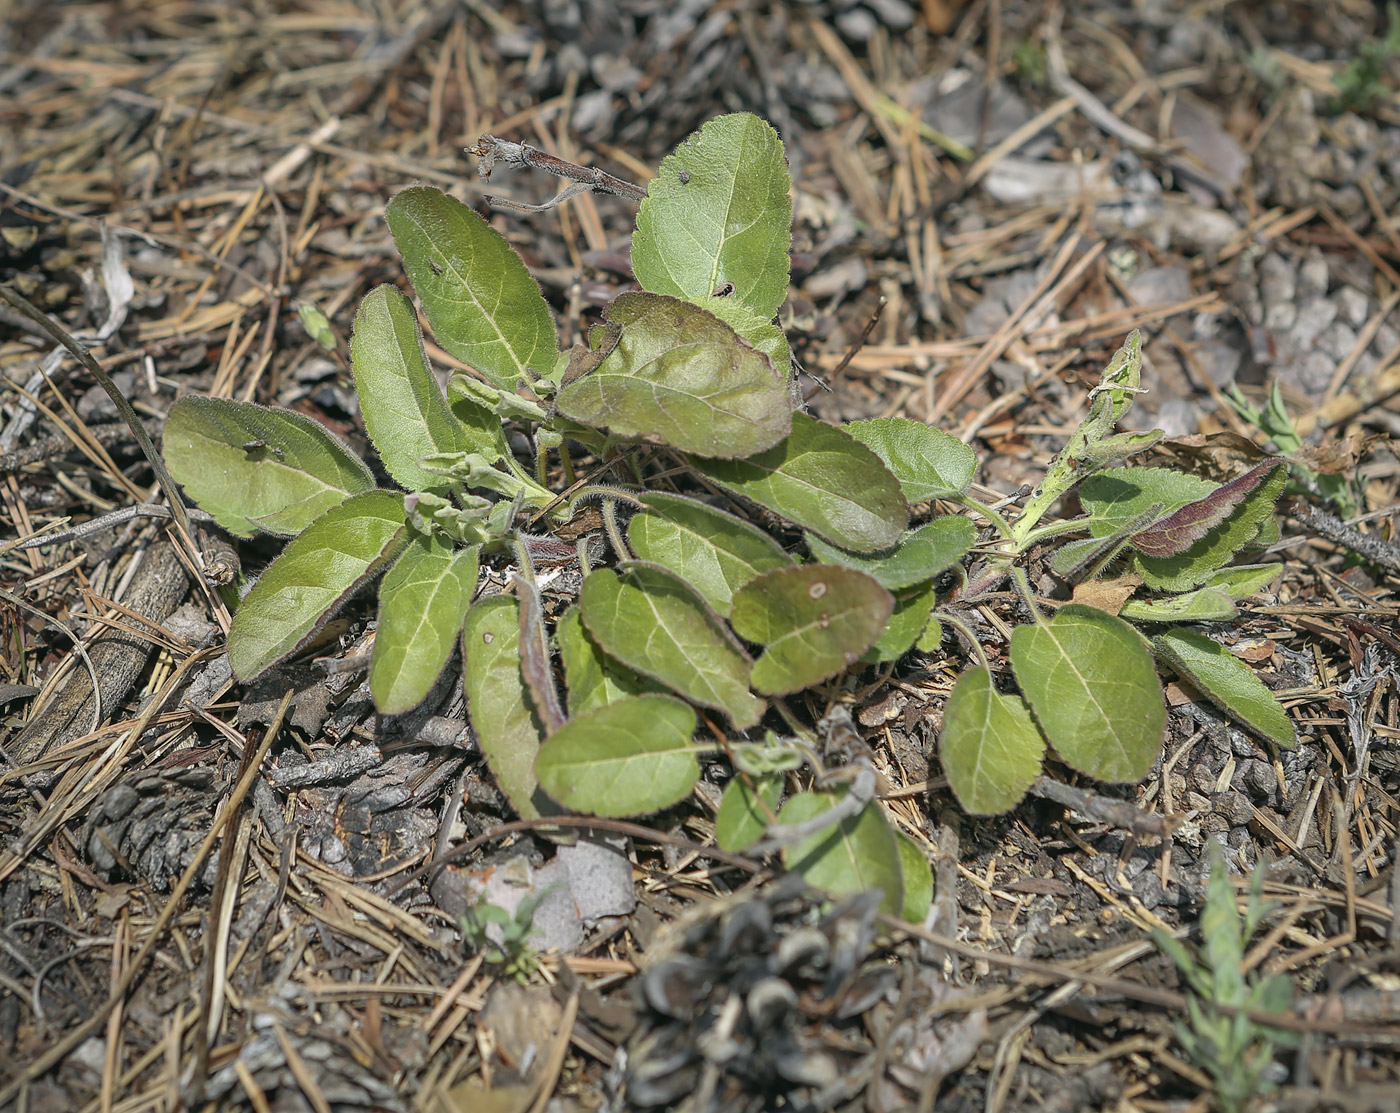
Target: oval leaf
pixel 422 601
pixel 481 301
pixel 405 413
pixel 1228 682
pixel 853 856
pixel 991 747
pixel 929 463
pixel 256 468
pixel 815 620
pixel 652 621
pixel 716 553
pixel 507 731
pixel 759 331
pixel 591 676
pixel 719 214
pixel 824 480
pixel 745 810
pixel 920 555
pixel 908 621
pixel 625 758
pixel 316 573
pixel 1090 680
pixel 681 376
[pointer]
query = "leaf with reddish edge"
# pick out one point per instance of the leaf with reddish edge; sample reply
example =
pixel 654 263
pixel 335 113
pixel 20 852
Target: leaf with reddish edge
pixel 1183 527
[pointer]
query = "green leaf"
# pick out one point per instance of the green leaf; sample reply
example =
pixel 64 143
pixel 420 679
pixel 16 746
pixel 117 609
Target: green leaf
pixel 256 468
pixel 507 730
pixel 992 750
pixel 592 677
pixel 625 758
pixel 853 856
pixel 917 878
pixel 1090 680
pixel 907 622
pixel 678 375
pixel 716 553
pixel 422 601
pixel 480 424
pixel 815 620
pixel 1120 497
pixel 316 573
pixel 744 811
pixel 1182 528
pixel 403 407
pixel 824 480
pixel 929 463
pixel 931 640
pixel 1228 682
pixel 920 555
pixel 481 301
pixel 719 214
pixel 1206 604
pixel 1197 564
pixel 759 331
pixel 653 622
pixel 1242 581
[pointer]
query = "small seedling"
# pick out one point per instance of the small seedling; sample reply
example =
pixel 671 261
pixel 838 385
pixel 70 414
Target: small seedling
pixel 1361 82
pixel 514 957
pixel 1218 1035
pixel 705 605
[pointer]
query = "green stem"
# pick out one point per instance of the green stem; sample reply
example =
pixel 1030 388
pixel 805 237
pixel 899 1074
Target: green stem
pixel 1023 585
pixel 987 512
pixel 1054 529
pixel 967 632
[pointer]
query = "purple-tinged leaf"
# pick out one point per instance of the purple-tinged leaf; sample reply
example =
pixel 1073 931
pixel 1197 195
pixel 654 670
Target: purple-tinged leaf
pixel 1183 527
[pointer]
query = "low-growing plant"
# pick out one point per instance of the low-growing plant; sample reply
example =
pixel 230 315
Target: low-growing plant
pixel 513 957
pixel 707 605
pixel 1218 1034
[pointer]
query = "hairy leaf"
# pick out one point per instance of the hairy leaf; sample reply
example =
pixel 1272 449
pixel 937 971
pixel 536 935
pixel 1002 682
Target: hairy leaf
pixel 758 330
pixel 256 468
pixel 814 620
pixel 1118 498
pixel 317 572
pixel 929 463
pixel 718 215
pixel 1178 531
pixel 824 480
pixel 507 730
pixel 920 555
pixel 405 413
pixel 991 747
pixel 679 375
pixel 852 856
pixel 481 301
pixel 1090 680
pixel 1205 604
pixel 593 678
pixel 1228 682
pixel 908 621
pixel 422 601
pixel 1252 518
pixel 716 553
pixel 745 811
pixel 626 758
pixel 653 622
